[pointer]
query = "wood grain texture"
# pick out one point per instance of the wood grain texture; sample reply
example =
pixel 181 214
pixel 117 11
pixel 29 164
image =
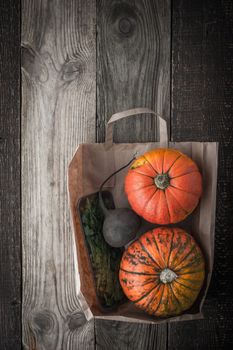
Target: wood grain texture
pixel 58 112
pixel 10 245
pixel 133 65
pixel 129 336
pixel 133 70
pixel 202 90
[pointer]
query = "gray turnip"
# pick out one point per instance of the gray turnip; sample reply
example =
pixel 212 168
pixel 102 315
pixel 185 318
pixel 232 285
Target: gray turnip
pixel 120 225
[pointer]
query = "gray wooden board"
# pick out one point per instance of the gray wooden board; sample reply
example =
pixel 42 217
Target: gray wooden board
pixel 133 70
pixel 58 112
pixel 10 250
pixel 133 65
pixel 202 90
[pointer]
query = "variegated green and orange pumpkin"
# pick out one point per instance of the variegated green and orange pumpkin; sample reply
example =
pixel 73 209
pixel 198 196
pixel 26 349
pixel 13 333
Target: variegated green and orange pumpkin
pixel 163 271
pixel 163 186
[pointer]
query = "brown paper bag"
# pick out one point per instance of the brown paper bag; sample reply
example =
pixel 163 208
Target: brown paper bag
pixel 92 163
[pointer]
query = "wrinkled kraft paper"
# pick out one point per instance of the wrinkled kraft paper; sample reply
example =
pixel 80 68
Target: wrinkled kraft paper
pixel 92 164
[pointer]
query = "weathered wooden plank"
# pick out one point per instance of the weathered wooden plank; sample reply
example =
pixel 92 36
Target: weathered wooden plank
pixel 58 112
pixel 133 65
pixel 202 92
pixel 10 247
pixel 124 335
pixel 133 70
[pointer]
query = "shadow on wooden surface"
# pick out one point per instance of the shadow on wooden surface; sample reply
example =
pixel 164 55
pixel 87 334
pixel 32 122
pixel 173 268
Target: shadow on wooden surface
pixel 10 240
pixel 202 93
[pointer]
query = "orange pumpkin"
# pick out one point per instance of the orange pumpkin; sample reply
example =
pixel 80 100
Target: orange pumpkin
pixel 163 186
pixel 163 271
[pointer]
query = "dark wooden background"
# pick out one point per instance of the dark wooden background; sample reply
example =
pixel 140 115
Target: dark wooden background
pixel 109 55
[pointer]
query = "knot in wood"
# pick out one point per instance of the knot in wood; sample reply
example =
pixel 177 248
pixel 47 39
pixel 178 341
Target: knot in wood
pixel 72 70
pixel 125 25
pixel 76 320
pixel 123 21
pixel 43 322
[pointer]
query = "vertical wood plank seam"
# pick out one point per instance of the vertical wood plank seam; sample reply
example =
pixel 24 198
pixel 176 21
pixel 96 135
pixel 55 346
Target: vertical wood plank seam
pixel 171 60
pixel 20 164
pixel 95 345
pixel 96 129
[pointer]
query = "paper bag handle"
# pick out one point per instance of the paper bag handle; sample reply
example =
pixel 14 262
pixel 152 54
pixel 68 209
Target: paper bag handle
pixel 162 124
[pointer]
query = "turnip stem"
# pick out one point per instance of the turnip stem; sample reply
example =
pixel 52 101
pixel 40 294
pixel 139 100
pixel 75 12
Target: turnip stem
pixel 102 205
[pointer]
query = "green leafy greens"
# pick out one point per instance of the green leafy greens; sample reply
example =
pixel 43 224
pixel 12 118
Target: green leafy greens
pixel 105 260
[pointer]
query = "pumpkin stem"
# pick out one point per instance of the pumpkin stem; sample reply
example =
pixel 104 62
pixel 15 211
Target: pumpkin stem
pixel 102 205
pixel 167 276
pixel 162 181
